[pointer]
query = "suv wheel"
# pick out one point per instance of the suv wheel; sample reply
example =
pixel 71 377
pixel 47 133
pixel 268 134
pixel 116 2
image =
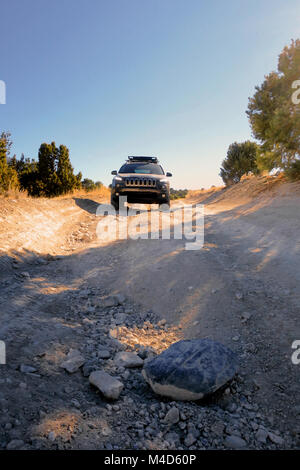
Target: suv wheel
pixel 115 202
pixel 165 201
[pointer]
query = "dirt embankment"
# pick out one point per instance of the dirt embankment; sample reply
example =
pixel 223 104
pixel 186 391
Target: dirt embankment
pixel 44 225
pixel 241 288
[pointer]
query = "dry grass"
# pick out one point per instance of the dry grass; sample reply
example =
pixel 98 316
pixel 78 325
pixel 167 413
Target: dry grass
pixel 17 194
pixel 14 194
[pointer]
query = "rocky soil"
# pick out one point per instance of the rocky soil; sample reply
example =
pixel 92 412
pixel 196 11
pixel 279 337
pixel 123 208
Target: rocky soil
pixel 70 311
pixel 45 407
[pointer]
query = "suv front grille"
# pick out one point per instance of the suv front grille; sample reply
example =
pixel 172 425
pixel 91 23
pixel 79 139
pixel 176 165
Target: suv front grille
pixel 148 182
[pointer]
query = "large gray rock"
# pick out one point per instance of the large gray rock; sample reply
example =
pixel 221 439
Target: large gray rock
pixel 109 386
pixel 190 369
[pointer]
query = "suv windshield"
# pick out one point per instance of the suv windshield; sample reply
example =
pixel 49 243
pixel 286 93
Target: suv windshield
pixel 146 168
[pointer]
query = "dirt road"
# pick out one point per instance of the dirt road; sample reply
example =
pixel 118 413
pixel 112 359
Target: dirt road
pixel 241 288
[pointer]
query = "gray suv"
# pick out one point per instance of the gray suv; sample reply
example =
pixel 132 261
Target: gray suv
pixel 142 180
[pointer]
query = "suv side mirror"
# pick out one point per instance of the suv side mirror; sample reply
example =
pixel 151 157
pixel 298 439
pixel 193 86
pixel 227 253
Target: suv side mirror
pixel 168 174
pixel 114 172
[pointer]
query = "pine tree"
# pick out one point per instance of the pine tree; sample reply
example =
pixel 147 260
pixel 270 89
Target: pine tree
pixel 3 166
pixel 47 160
pixel 29 176
pixel 274 118
pixel 66 177
pixel 8 174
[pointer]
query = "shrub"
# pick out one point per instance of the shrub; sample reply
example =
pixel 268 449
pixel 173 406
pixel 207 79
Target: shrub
pixel 293 171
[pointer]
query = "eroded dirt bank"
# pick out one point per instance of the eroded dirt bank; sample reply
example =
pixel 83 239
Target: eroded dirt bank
pixel 241 288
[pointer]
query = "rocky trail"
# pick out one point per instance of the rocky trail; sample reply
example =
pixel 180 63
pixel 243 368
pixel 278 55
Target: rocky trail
pixel 71 304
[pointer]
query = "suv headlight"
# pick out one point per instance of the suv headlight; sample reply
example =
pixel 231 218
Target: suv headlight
pixel 165 180
pixel 118 178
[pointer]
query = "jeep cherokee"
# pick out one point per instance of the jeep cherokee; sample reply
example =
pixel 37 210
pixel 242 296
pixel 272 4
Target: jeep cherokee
pixel 142 180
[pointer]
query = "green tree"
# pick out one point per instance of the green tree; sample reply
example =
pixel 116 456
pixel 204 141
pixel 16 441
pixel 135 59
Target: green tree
pixel 88 184
pixel 178 193
pixel 48 183
pixel 28 174
pixel 78 180
pixel 65 173
pixel 8 174
pixel 274 118
pixel 241 159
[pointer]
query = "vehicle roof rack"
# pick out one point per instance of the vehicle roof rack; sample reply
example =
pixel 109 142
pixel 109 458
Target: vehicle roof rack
pixel 143 159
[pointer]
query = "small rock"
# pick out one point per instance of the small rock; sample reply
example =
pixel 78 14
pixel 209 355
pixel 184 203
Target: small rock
pixel 110 301
pixel 27 369
pixel 15 444
pixel 120 318
pixel 104 354
pixel 261 436
pixel 235 442
pixel 245 316
pixel 143 353
pixel 51 436
pixel 250 348
pixel 275 439
pixel 128 359
pixel 121 299
pixel 74 361
pixel 109 386
pixel 218 428
pixel 239 295
pixel 172 417
pixel 173 438
pixel 189 440
pixel 297 409
pixel 25 274
pixel 254 425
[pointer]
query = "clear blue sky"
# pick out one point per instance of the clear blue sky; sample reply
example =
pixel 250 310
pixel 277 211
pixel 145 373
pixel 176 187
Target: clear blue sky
pixel 111 78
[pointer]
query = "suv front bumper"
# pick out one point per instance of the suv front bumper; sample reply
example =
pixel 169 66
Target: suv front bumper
pixel 135 194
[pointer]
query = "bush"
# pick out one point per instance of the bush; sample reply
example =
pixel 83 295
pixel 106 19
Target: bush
pixel 241 159
pixel 89 185
pixel 293 171
pixel 178 193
